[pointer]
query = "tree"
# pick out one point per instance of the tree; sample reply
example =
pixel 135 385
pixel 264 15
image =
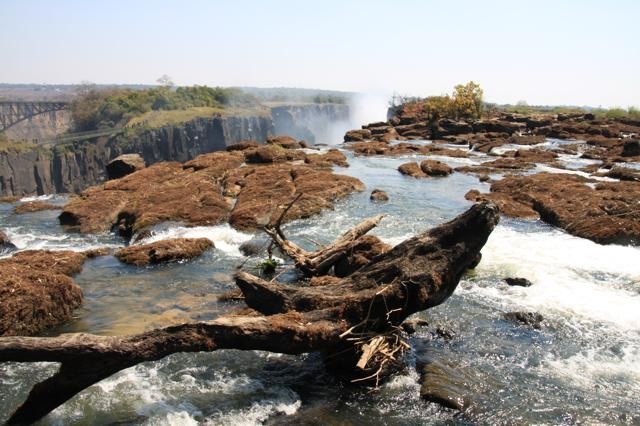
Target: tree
pixel 467 100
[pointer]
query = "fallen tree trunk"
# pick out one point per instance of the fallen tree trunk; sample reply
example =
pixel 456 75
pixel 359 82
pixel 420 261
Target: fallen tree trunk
pixel 344 316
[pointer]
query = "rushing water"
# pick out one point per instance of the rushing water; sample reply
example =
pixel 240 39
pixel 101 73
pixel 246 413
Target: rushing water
pixel 583 366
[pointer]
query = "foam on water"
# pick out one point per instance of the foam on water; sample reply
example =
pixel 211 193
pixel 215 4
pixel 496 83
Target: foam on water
pixel 224 237
pixel 550 169
pixel 572 276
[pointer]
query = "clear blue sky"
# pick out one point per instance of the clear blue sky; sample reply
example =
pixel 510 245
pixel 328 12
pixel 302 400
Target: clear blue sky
pixel 550 52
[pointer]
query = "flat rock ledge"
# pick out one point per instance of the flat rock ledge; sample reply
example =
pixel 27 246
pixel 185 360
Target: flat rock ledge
pixel 164 251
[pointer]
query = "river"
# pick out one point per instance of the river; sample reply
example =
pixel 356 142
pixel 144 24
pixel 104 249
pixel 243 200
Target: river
pixel 583 366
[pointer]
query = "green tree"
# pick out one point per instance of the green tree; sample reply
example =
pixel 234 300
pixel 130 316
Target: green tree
pixel 467 100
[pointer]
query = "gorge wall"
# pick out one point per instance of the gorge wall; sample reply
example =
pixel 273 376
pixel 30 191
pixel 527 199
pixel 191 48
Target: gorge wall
pixel 73 167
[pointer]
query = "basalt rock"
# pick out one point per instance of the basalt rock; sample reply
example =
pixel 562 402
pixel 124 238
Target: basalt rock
pixel 379 195
pixel 435 168
pixel 604 212
pixel 357 135
pixel 631 148
pixel 328 159
pixel 446 384
pixel 34 206
pixel 164 251
pixel 284 141
pixel 271 154
pixel 624 173
pixel 411 169
pixel 124 165
pixel 36 290
pixel 529 319
pixel 242 145
pixel 518 282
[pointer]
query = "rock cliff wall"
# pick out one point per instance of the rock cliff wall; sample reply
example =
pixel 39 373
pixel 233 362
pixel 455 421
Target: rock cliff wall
pixel 73 167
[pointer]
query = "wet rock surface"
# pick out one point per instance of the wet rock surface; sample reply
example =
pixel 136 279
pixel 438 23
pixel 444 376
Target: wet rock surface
pixel 445 383
pixel 36 290
pixel 518 282
pixel 5 244
pixel 164 251
pixel 379 195
pixel 529 319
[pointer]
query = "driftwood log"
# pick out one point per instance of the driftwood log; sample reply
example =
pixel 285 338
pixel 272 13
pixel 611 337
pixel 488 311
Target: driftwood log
pixel 356 315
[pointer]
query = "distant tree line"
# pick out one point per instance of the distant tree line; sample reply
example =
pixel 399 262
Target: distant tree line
pixel 95 109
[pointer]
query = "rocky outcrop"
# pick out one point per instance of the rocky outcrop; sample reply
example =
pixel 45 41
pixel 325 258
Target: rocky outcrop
pixel 34 206
pixel 202 192
pixel 36 290
pixel 604 212
pixel 123 165
pixel 164 251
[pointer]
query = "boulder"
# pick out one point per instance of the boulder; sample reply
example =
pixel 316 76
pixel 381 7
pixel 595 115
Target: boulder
pixel 34 206
pixel 329 158
pixel 242 145
pixel 435 168
pixel 631 148
pixel 411 169
pixel 123 165
pixel 164 251
pixel 357 135
pixel 624 173
pixel 519 282
pixel 36 290
pixel 379 195
pixel 530 319
pixel 367 247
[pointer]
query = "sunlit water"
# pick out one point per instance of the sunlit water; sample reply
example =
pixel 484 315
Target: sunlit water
pixel 583 366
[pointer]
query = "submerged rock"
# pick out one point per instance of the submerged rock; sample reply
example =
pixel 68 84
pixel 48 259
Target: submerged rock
pixel 34 206
pixel 123 165
pixel 36 290
pixel 379 195
pixel 163 251
pixel 529 319
pixel 518 282
pixel 446 384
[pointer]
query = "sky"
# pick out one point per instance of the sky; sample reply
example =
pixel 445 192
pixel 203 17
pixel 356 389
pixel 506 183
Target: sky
pixel 542 52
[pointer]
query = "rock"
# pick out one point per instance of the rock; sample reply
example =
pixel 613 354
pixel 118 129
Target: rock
pixel 164 251
pixel 631 148
pixel 159 193
pixel 266 190
pixel 284 141
pixel 357 135
pixel 604 212
pixel 483 126
pixel 535 155
pixel 435 168
pixel 271 154
pixel 34 206
pixel 97 252
pixel 124 165
pixel 410 326
pixel 36 290
pixel 529 319
pixel 508 205
pixel 484 178
pixel 329 158
pixel 242 145
pixel 411 169
pixel 368 247
pixel 624 173
pixel 5 244
pixel 519 282
pixel 10 198
pixel 253 247
pixel 379 195
pixel 446 384
pixel 215 163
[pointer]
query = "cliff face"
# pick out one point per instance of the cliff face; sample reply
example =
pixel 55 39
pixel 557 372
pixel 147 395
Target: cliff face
pixel 71 168
pixel 41 126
